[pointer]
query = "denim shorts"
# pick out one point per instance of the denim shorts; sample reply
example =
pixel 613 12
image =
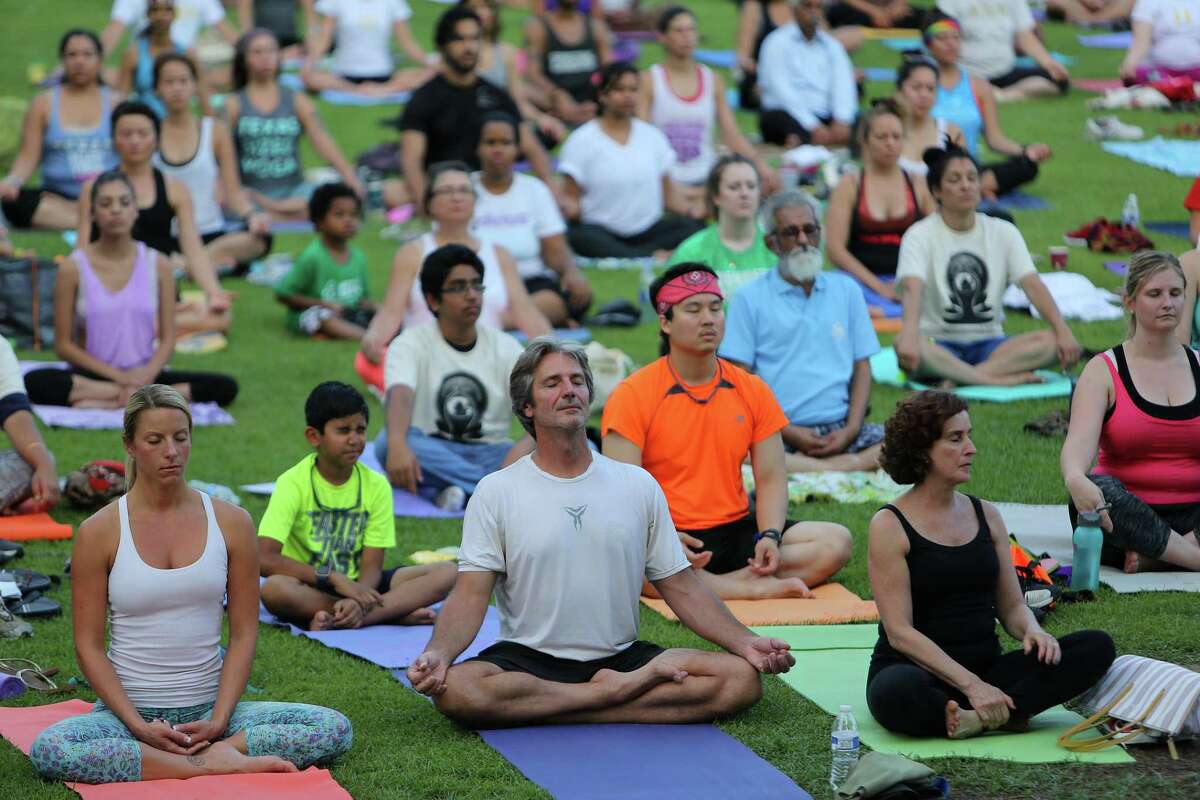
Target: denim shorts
pixel 973 353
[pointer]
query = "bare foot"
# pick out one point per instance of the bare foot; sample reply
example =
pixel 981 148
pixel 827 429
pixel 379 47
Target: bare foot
pixel 222 758
pixel 321 621
pixel 765 588
pixel 1016 379
pixel 421 616
pixel 1132 562
pixel 621 687
pixel 961 723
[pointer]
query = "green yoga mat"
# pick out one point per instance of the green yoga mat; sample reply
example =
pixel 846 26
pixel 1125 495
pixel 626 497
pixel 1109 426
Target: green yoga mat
pixel 885 369
pixel 823 637
pixel 832 677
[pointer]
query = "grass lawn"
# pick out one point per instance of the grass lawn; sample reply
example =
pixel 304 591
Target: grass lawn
pixel 403 748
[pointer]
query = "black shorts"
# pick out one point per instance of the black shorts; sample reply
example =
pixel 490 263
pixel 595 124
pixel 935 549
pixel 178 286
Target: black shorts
pixel 513 657
pixel 731 544
pixel 360 79
pixel 550 283
pixel 1017 74
pixel 20 210
pixel 210 237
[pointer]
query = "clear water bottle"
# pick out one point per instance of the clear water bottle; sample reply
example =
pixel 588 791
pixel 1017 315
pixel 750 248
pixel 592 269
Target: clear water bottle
pixel 1130 216
pixel 645 279
pixel 1085 558
pixel 843 744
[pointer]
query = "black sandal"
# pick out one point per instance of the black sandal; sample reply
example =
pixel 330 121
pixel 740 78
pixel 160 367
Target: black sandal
pixel 34 605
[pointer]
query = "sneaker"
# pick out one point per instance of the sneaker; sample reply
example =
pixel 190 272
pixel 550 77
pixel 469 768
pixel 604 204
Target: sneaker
pixel 1038 598
pixel 1110 128
pixel 452 498
pixel 12 626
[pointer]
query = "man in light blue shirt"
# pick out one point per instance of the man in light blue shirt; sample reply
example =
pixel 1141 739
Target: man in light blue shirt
pixel 807 83
pixel 808 334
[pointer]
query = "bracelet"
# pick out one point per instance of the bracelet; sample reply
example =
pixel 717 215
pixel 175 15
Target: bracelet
pixel 770 533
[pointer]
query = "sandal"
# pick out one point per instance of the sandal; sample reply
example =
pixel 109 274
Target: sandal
pixel 30 674
pixel 27 580
pixel 35 605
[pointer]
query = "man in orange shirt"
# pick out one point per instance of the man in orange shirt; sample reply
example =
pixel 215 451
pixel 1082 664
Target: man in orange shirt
pixel 691 419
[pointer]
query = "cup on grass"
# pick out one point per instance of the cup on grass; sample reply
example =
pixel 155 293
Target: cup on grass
pixel 1058 257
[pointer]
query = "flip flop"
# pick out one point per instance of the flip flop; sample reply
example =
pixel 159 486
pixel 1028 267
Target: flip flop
pixel 26 580
pixel 11 549
pixel 30 674
pixel 35 605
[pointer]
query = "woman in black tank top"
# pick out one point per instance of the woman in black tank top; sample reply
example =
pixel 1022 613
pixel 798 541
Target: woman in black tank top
pixel 941 573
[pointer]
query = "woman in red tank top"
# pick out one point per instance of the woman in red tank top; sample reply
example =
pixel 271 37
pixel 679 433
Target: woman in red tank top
pixel 1138 405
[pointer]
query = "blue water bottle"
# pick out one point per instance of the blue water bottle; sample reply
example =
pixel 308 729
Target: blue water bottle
pixel 1085 564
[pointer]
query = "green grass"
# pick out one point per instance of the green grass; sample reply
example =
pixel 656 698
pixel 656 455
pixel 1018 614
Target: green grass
pixel 402 747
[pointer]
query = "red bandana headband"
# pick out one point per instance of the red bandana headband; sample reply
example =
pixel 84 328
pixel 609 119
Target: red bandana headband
pixel 681 287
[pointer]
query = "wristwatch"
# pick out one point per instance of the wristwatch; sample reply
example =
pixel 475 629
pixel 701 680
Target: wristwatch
pixel 323 582
pixel 769 533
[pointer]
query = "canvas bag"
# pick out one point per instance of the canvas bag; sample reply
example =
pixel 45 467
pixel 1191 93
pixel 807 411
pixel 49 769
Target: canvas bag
pixel 27 301
pixel 609 367
pixel 1139 701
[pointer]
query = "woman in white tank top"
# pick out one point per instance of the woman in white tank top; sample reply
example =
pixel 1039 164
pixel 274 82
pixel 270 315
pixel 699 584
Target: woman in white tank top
pixel 160 564
pixel 203 159
pixel 450 203
pixel 686 101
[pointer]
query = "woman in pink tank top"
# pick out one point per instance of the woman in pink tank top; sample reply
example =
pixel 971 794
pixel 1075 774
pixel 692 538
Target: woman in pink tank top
pixel 114 316
pixel 1138 405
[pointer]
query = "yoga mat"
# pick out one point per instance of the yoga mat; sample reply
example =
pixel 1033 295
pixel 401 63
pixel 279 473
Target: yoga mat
pixel 1017 201
pixel 339 98
pixel 1176 156
pixel 203 414
pixel 292 226
pixel 1040 528
pixel 885 369
pixel 22 725
pixel 26 527
pixel 890 308
pixel 1062 58
pixel 724 59
pixel 1179 229
pixel 832 677
pixel 404 503
pixel 830 603
pixel 887 324
pixel 883 34
pixel 1107 41
pixel 1118 267
pixel 581 335
pixel 886 74
pixel 1097 84
pixel 1119 582
pixel 823 637
pixel 640 762
pixel 901 44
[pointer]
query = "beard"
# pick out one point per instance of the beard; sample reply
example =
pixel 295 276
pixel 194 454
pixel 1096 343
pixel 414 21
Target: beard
pixel 803 263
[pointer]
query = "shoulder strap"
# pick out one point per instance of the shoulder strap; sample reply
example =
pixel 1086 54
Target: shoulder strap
pixel 984 528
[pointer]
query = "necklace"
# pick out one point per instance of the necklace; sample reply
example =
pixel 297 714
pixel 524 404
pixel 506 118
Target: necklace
pixel 682 387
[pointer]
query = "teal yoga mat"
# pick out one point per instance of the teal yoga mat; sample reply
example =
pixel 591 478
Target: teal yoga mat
pixel 885 369
pixel 823 637
pixel 832 677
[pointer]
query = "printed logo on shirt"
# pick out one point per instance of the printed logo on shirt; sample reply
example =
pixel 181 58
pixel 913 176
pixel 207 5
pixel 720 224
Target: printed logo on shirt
pixel 461 403
pixel 335 533
pixel 967 277
pixel 576 515
pixel 838 331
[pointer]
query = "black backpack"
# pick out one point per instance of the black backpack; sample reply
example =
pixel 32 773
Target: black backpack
pixel 27 302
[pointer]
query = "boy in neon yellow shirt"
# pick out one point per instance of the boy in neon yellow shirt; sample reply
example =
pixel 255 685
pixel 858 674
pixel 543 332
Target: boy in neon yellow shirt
pixel 322 539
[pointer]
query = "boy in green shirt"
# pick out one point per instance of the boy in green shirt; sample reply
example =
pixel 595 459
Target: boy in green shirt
pixel 322 539
pixel 326 289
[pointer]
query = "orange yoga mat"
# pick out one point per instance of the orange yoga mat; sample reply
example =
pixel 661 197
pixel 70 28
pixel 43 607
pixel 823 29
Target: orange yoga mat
pixel 22 725
pixel 832 603
pixel 33 526
pixel 886 324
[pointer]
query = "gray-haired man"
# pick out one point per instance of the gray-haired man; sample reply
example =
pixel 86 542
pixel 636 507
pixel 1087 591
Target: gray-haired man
pixel 565 537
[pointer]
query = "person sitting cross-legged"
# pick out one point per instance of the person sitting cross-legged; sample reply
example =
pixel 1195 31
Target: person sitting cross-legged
pixel 447 388
pixel 565 537
pixel 691 419
pixel 322 539
pixel 807 333
pixel 28 472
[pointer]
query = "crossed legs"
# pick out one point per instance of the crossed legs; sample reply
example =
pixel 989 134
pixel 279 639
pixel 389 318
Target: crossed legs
pixel 1009 364
pixel 411 591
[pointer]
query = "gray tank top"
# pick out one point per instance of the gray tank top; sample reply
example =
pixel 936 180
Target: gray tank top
pixel 497 73
pixel 268 145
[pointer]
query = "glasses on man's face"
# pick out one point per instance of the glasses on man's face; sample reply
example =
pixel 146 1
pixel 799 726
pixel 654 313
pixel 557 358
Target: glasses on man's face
pixel 462 287
pixel 450 191
pixel 810 231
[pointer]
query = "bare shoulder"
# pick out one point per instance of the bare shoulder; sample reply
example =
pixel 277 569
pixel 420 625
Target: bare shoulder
pixel 236 525
pixel 101 531
pixel 886 533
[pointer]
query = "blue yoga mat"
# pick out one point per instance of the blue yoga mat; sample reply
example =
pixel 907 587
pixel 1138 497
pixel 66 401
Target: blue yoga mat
pixel 1017 200
pixel 1107 41
pixel 641 762
pixel 581 335
pixel 891 308
pixel 292 226
pixel 1179 229
pixel 340 98
pixel 724 59
pixel 1176 156
pixel 886 74
pixel 900 45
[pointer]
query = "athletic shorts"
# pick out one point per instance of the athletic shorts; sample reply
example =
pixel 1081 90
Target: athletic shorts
pixel 513 657
pixel 20 210
pixel 361 79
pixel 731 544
pixel 385 580
pixel 550 283
pixel 973 353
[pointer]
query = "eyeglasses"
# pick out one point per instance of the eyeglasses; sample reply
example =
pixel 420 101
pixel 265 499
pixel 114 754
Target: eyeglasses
pixel 809 230
pixel 447 191
pixel 462 287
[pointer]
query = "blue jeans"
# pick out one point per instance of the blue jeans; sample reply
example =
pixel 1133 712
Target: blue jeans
pixel 973 353
pixel 445 462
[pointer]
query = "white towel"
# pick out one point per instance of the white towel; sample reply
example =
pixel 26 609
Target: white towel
pixel 1075 295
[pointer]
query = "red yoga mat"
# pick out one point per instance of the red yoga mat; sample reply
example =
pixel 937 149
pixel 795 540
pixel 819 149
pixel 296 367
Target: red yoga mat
pixel 25 527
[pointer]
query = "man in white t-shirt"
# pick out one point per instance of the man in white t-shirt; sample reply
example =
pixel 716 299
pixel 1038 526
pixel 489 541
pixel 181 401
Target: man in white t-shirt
pixel 447 388
pixel 565 537
pixel 992 32
pixel 28 480
pixel 953 269
pixel 191 17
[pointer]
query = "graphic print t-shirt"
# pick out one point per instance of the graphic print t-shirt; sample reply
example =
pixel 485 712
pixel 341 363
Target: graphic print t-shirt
pixel 965 275
pixel 333 525
pixel 461 396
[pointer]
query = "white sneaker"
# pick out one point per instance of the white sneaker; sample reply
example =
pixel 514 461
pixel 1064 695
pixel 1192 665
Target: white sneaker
pixel 1110 128
pixel 452 498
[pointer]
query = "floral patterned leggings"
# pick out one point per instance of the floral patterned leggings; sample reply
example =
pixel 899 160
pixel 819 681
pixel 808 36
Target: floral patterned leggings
pixel 98 748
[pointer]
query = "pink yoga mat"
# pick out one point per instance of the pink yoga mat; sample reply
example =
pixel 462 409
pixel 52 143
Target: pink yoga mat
pixel 22 725
pixel 1097 84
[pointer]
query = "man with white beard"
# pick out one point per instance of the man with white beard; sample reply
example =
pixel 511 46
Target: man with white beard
pixel 807 333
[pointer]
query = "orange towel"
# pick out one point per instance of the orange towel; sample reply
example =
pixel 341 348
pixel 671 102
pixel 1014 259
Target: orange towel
pixel 33 526
pixel 832 603
pixel 22 725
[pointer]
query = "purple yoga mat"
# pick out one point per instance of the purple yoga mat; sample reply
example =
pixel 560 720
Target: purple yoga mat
pixel 406 504
pixel 113 418
pixel 1118 267
pixel 641 762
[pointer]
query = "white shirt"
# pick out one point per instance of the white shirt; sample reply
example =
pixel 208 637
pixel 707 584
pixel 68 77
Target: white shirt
pixel 191 17
pixel 989 30
pixel 965 274
pixel 458 396
pixel 688 123
pixel 11 381
pixel 1175 32
pixel 571 553
pixel 364 34
pixel 621 183
pixel 202 176
pixel 810 79
pixel 518 220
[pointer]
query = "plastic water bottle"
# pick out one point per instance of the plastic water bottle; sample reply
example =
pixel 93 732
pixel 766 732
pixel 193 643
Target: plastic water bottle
pixel 1130 216
pixel 645 279
pixel 844 746
pixel 1085 559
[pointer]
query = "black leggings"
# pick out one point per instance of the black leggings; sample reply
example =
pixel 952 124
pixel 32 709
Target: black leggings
pixel 1137 525
pixel 841 15
pixel 1013 172
pixel 52 386
pixel 908 699
pixel 596 241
